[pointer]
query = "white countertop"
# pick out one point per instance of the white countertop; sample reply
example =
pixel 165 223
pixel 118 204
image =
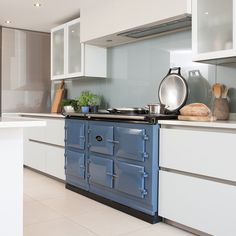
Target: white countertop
pixel 19 122
pixel 45 115
pixel 228 124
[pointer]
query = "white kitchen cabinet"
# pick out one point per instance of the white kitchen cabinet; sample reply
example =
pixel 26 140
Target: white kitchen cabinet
pixel 52 133
pixel 102 21
pixel 198 203
pixel 203 152
pixel 35 155
pixel 70 58
pixel 44 147
pixel 55 161
pixel 197 181
pixel 213 31
pixel 58 52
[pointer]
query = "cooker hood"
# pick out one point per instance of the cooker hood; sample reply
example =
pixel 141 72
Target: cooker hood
pixel 150 30
pixel 157 29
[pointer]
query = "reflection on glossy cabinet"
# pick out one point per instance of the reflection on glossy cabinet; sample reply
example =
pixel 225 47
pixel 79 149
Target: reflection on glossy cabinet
pixel 213 31
pixel 70 58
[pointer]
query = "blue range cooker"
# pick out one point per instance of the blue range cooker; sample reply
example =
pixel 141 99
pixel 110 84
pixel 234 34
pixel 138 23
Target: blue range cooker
pixel 113 158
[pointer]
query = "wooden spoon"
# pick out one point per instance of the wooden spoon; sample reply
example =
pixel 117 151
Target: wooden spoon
pixel 217 90
pixel 225 92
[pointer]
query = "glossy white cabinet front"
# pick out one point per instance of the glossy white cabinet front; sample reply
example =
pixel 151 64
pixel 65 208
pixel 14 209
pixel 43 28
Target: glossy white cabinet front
pixel 197 182
pixel 201 204
pixel 44 147
pixel 203 152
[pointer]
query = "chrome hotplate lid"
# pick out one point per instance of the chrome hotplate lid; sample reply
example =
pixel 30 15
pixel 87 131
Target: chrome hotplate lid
pixel 128 110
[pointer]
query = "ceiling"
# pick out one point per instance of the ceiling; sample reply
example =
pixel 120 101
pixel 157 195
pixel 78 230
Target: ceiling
pixel 24 15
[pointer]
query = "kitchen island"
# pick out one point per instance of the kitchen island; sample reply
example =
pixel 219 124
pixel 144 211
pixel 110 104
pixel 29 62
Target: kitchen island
pixel 11 173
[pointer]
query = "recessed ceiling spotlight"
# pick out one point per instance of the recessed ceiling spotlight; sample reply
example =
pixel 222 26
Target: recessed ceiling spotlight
pixel 37 4
pixel 206 13
pixel 8 22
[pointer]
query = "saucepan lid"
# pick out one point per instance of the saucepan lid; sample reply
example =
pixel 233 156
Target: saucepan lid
pixel 173 90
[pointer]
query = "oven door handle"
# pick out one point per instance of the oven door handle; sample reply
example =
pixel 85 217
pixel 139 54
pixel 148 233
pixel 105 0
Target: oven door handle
pixel 113 141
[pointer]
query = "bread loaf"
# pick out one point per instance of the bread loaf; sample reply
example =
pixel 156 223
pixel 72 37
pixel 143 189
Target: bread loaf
pixel 195 109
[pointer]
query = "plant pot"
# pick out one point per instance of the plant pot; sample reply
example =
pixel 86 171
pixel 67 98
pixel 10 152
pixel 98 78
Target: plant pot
pixel 85 109
pixel 68 109
pixel 94 109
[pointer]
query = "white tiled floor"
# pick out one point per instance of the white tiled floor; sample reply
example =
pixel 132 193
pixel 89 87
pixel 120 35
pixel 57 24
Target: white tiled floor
pixel 52 210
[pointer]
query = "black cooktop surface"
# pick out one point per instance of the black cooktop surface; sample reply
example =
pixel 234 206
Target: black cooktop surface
pixel 127 116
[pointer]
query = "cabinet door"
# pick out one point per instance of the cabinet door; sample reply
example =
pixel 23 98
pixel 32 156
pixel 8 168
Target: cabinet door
pixel 213 29
pixel 198 203
pixel 131 143
pixel 74 52
pixel 201 152
pixel 129 179
pixel 101 139
pixel 75 134
pixel 55 161
pixel 58 52
pixel 52 133
pixel 35 155
pixel 75 164
pixel 101 171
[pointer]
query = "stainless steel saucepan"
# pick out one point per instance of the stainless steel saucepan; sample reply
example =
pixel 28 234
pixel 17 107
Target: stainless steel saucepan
pixel 157 108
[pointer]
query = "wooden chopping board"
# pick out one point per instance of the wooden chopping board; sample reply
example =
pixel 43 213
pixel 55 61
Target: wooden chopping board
pixel 56 105
pixel 197 118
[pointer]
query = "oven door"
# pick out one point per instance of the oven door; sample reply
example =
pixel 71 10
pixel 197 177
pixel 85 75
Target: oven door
pixel 130 179
pixel 100 139
pixel 131 143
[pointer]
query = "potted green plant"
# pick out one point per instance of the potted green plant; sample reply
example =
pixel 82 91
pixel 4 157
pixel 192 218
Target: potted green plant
pixel 94 102
pixel 83 101
pixel 69 105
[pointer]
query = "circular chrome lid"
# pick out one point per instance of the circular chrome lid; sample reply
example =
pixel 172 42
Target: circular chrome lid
pixel 173 90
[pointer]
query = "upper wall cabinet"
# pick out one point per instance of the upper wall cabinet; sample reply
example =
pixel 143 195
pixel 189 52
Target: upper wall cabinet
pixel 70 58
pixel 213 31
pixel 109 22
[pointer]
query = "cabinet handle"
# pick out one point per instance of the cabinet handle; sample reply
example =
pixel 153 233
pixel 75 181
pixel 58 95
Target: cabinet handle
pixel 144 174
pixel 65 140
pixel 143 192
pixel 145 155
pixel 113 141
pixel 145 137
pixel 110 174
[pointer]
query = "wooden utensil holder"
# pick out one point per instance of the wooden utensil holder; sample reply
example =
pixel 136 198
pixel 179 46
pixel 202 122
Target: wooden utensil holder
pixel 221 108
